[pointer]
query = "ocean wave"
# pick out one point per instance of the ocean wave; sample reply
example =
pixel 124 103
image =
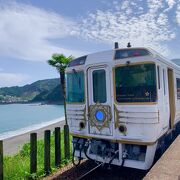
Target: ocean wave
pixel 10 134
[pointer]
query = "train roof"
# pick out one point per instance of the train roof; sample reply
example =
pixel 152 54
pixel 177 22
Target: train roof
pixel 119 54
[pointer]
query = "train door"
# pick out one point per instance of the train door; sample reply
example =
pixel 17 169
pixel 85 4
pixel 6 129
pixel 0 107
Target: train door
pixel 99 101
pixel 171 97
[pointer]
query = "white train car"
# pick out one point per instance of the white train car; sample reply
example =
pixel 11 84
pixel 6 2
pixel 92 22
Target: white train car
pixel 121 105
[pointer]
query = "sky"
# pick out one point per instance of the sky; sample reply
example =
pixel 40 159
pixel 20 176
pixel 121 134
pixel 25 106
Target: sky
pixel 32 30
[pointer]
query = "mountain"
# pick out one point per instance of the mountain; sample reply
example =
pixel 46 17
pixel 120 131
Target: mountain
pixel 44 91
pixel 53 96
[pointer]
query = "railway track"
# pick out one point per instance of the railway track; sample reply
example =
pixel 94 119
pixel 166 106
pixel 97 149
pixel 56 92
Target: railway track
pixel 89 170
pixel 87 174
pixel 103 172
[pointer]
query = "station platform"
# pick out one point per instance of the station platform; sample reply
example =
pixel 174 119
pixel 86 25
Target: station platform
pixel 168 166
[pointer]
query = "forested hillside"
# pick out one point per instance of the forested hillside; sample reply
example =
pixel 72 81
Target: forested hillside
pixel 44 91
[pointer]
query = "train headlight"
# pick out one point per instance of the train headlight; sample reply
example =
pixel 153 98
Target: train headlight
pixel 82 125
pixel 100 115
pixel 122 129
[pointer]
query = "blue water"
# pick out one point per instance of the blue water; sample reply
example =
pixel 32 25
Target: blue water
pixel 17 116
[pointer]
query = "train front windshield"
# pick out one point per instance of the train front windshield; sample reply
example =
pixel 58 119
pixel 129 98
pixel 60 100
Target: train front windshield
pixel 136 83
pixel 75 87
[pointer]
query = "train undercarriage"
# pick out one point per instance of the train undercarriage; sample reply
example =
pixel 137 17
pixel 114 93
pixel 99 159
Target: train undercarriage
pixel 121 154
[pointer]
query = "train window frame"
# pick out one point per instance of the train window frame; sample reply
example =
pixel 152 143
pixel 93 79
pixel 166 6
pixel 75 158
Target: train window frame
pixel 78 61
pixel 135 103
pixel 76 71
pixel 178 79
pixel 159 76
pixel 93 97
pixel 131 49
pixel 164 81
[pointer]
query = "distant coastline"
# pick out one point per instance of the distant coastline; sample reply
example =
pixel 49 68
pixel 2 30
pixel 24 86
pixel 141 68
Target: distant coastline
pixel 46 91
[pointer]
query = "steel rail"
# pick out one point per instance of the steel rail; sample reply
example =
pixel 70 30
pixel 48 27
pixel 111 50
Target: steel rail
pixel 86 174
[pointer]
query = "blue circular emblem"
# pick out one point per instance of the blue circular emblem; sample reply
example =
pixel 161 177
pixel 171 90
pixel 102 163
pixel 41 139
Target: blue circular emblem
pixel 99 115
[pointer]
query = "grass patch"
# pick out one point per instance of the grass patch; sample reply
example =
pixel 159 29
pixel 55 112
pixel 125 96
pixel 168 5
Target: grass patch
pixel 18 166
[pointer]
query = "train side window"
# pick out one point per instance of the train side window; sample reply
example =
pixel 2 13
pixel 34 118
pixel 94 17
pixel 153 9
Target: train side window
pixel 75 87
pixel 99 86
pixel 178 87
pixel 164 81
pixel 159 81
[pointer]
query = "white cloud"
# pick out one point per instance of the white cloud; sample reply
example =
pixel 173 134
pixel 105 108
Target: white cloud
pixel 27 32
pixel 150 28
pixel 125 5
pixel 11 79
pixel 171 3
pixel 154 5
pixel 178 14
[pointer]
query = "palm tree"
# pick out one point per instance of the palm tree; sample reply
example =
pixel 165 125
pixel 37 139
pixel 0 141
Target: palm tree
pixel 60 62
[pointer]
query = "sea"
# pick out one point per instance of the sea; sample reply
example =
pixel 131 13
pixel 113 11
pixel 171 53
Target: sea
pixel 16 119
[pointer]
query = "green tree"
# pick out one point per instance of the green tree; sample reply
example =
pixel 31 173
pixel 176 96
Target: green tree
pixel 60 62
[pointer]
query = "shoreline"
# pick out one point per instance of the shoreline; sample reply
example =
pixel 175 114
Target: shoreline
pixel 14 141
pixel 14 133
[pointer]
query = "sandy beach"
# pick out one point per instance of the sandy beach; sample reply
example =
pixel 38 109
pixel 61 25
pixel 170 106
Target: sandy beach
pixel 13 144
